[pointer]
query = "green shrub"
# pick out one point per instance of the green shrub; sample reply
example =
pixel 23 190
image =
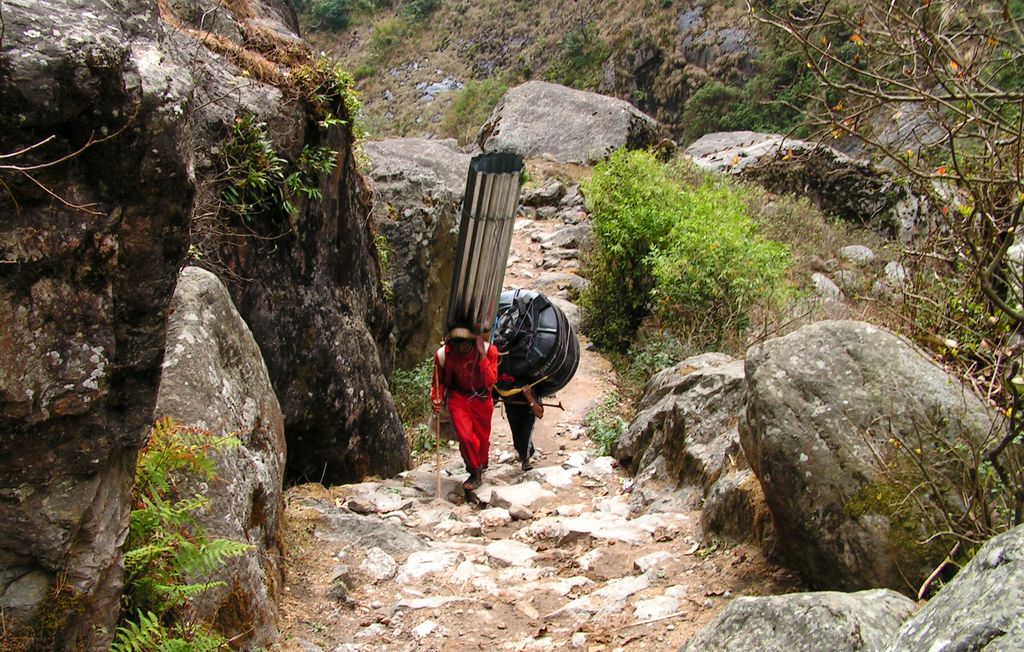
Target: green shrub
pixel 411 391
pixel 706 108
pixel 385 36
pixel 579 58
pixel 633 206
pixel 652 350
pixel 168 557
pixel 417 10
pixel 715 266
pixel 258 182
pixel 691 258
pixel 471 108
pixel 330 15
pixel 604 423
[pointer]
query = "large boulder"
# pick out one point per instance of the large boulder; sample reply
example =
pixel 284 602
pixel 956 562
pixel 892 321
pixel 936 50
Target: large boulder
pixel 833 412
pixel 307 283
pixel 573 126
pixel 852 189
pixel 90 244
pixel 115 112
pixel 418 186
pixel 687 417
pixel 981 609
pixel 805 622
pixel 214 379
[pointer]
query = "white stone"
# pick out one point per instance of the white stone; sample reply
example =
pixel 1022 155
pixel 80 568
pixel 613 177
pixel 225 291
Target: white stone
pixel 653 560
pixel 575 509
pixel 525 494
pixel 519 513
pixel 495 517
pixel 556 476
pixel 426 562
pixel 424 629
pixel 613 506
pixel 657 607
pixel 587 560
pixel 599 468
pixel 577 459
pixel 468 571
pixel 510 553
pixel 379 565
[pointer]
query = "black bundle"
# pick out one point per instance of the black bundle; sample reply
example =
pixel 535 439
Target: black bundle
pixel 536 341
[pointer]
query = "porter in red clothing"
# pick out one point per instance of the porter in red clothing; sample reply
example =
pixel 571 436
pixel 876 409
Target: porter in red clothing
pixel 465 370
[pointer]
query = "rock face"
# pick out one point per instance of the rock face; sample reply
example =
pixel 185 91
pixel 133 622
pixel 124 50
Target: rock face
pixel 981 609
pixel 214 379
pixel 824 406
pixel 533 118
pixel 417 190
pixel 307 284
pixel 805 622
pixel 85 290
pixel 315 305
pixel 852 189
pixel 83 298
pixel 684 433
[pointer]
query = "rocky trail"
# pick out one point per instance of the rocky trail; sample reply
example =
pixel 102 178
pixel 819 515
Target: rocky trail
pixel 555 557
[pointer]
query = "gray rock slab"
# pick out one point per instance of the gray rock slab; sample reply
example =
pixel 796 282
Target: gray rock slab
pixel 539 118
pixel 981 609
pixel 524 494
pixel 805 622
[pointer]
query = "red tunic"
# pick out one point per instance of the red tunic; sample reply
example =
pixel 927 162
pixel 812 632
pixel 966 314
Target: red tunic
pixel 464 382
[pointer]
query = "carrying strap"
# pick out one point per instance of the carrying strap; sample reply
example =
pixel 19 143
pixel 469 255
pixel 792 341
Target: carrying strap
pixel 449 375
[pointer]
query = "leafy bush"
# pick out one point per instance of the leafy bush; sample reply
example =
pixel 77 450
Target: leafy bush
pixel 604 423
pixel 168 556
pixel 714 266
pixel 330 15
pixel 385 36
pixel 691 258
pixel 633 205
pixel 411 391
pixel 471 108
pixel 418 10
pixel 258 182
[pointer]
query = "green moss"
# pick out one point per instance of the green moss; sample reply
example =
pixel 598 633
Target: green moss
pixel 53 615
pixel 913 552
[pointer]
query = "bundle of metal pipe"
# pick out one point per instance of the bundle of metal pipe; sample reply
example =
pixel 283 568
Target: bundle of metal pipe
pixel 485 235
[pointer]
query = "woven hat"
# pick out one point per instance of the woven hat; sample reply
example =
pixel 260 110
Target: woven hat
pixel 459 333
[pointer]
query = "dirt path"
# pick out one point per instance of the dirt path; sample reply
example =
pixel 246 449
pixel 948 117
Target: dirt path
pixel 553 559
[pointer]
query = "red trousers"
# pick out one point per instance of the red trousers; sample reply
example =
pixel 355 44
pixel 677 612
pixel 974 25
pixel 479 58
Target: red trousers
pixel 471 417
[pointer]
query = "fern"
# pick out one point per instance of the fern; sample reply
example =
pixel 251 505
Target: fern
pixel 169 556
pixel 142 635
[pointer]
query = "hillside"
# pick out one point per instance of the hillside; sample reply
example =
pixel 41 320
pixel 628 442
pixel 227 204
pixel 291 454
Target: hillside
pixel 436 68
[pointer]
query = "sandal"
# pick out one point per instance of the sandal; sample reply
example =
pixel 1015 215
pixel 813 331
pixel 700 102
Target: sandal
pixel 472 483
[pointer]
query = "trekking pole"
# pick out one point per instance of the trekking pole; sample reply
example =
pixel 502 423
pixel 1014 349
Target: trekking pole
pixel 437 465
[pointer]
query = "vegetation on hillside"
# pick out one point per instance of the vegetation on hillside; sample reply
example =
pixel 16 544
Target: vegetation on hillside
pixel 954 70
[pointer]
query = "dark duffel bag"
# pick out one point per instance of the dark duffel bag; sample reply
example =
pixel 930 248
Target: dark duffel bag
pixel 536 342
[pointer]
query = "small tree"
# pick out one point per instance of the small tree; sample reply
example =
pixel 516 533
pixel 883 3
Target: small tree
pixel 951 76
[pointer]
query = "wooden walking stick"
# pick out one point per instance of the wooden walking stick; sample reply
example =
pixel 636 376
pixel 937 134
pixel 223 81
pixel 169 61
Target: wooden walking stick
pixel 437 465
